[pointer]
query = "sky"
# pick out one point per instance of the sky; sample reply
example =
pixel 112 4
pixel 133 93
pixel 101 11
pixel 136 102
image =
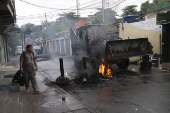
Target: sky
pixel 27 13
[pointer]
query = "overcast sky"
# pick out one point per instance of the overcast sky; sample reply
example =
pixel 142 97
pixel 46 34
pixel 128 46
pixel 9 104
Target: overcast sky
pixel 27 13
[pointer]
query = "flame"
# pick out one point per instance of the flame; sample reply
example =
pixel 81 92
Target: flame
pixel 105 71
pixel 103 59
pixel 65 80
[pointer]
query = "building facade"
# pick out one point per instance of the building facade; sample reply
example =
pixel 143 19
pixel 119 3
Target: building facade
pixel 7 19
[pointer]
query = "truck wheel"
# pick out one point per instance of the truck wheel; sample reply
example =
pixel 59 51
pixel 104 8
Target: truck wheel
pixel 93 65
pixel 124 64
pixel 77 62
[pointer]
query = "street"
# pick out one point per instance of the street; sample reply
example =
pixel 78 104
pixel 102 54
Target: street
pixel 126 92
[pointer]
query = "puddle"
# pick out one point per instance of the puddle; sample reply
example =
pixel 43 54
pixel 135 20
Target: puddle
pixel 52 104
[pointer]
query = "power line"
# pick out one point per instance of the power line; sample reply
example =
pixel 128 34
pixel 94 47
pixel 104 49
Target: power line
pixel 37 16
pixel 42 14
pixel 85 4
pixel 45 6
pixel 67 3
pixel 118 4
pixel 40 3
pixel 91 5
pixel 96 7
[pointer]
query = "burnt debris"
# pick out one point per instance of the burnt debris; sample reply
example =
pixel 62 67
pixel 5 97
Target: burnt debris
pixel 62 79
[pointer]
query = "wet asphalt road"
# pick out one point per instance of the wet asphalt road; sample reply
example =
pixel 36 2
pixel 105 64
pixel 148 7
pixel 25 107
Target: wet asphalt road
pixel 140 93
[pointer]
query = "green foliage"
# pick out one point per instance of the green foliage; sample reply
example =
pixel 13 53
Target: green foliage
pixel 130 10
pixel 42 34
pixel 109 16
pixel 96 21
pixel 47 29
pixel 54 28
pixel 72 16
pixel 146 6
pixel 156 4
pixel 27 26
pixel 161 4
pixel 15 39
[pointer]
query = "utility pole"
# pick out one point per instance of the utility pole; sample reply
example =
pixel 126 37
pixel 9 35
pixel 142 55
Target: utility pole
pixel 22 41
pixel 62 20
pixel 46 23
pixel 77 2
pixel 107 14
pixel 103 7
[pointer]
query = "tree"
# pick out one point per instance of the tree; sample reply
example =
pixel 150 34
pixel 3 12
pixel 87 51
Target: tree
pixel 54 28
pixel 109 16
pixel 130 10
pixel 15 37
pixel 155 2
pixel 27 26
pixel 96 21
pixel 146 6
pixel 72 16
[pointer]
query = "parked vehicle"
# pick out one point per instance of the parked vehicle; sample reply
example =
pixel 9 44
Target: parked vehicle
pixel 37 49
pixel 18 50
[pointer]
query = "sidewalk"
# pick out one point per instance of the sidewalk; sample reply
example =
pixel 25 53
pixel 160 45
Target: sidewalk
pixel 9 92
pixel 51 99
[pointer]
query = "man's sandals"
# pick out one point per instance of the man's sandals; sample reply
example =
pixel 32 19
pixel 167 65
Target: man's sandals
pixel 27 91
pixel 36 91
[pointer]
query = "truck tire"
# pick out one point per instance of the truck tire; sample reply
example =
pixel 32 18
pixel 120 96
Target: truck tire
pixel 123 64
pixel 94 65
pixel 77 62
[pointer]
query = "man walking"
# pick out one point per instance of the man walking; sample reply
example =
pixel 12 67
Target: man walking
pixel 29 66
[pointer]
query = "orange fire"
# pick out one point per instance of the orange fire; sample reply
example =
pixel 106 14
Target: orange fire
pixel 105 71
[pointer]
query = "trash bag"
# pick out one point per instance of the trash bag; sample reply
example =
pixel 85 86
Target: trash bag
pixel 16 76
pixel 21 79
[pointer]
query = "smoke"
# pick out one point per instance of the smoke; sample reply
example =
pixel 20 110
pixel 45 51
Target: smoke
pixel 96 32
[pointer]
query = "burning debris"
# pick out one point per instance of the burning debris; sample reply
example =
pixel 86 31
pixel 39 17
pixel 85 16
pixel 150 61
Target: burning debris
pixel 105 70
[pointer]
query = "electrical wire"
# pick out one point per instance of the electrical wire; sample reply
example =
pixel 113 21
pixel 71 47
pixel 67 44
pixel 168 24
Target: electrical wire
pixel 67 3
pixel 45 6
pixel 61 9
pixel 85 4
pixel 118 4
pixel 41 15
pixel 40 3
pixel 49 12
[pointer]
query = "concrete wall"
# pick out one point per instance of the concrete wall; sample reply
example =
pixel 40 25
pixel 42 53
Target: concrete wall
pixel 155 37
pixel 2 50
